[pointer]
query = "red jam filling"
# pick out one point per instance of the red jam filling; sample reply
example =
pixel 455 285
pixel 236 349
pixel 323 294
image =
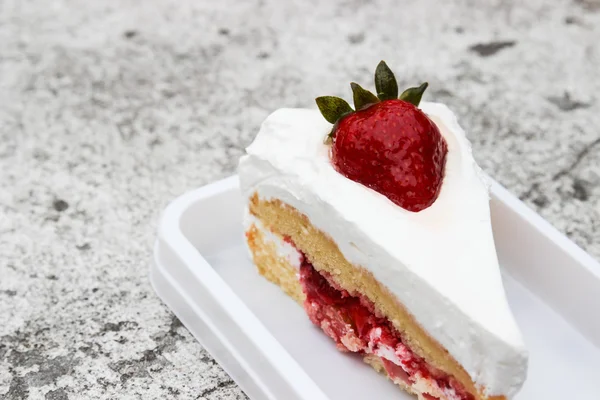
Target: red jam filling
pixel 352 322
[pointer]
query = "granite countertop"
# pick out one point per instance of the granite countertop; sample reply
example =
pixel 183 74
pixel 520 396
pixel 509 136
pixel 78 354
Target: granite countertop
pixel 108 110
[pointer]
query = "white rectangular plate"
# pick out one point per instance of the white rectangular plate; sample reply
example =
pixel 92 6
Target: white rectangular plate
pixel 264 340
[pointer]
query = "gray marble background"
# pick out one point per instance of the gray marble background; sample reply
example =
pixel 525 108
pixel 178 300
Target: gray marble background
pixel 110 109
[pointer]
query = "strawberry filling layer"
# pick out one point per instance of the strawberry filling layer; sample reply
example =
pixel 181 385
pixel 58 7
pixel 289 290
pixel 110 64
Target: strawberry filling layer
pixel 352 322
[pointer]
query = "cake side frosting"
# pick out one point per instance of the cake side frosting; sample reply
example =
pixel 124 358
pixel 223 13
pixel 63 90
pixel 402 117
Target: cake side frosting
pixel 440 262
pixel 283 249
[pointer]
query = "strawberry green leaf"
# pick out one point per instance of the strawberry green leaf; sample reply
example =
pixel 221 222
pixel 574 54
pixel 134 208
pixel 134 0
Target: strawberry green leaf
pixel 333 108
pixel 385 82
pixel 362 97
pixel 414 95
pixel 329 138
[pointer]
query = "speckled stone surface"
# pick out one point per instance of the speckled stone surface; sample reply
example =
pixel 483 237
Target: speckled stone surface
pixel 110 109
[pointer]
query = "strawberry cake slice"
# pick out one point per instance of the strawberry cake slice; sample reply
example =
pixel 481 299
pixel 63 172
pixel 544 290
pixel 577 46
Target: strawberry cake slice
pixel 376 220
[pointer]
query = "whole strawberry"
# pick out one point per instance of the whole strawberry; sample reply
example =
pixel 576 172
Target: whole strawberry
pixel 388 144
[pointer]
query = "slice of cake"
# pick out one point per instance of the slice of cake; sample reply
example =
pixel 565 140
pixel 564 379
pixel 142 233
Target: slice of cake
pixel 379 225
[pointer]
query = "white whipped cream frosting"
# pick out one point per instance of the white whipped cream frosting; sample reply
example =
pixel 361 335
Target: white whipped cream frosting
pixel 440 263
pixel 283 249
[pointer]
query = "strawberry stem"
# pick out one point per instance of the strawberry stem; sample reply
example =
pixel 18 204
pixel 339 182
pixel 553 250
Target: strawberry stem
pixel 362 97
pixel 385 82
pixel 333 108
pixel 414 95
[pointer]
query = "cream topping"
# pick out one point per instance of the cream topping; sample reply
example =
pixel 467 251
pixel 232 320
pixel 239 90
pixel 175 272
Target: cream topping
pixel 284 249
